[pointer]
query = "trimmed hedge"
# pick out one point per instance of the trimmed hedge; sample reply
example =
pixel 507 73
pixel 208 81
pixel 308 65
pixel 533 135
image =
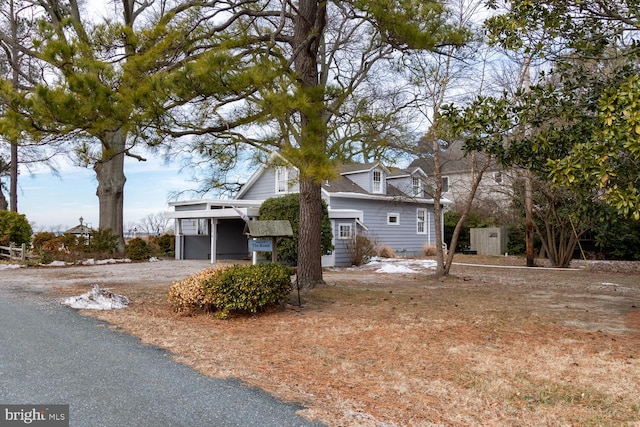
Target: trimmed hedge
pixel 233 289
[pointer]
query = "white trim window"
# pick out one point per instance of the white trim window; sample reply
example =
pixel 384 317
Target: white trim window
pixel 421 219
pixel 282 180
pixel 195 226
pixel 445 184
pixel 416 187
pixel 377 182
pixel 345 231
pixel 393 219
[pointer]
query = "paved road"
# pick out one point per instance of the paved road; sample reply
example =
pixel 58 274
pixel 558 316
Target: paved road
pixel 49 354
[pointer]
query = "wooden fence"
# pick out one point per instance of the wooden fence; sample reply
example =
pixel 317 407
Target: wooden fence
pixel 14 252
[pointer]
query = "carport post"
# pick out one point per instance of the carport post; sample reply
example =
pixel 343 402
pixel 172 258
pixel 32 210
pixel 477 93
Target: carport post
pixel 214 238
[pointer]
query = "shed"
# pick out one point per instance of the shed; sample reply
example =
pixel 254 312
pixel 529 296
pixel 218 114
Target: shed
pixel 489 240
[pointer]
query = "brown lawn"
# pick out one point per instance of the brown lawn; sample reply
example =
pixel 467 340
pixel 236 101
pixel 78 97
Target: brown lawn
pixel 487 346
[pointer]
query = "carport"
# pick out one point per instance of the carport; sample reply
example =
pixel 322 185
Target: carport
pixel 212 229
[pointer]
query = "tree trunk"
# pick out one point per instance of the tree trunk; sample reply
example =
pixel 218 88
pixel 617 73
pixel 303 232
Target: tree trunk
pixel 309 26
pixel 110 175
pixel 15 53
pixel 3 201
pixel 309 235
pixel 528 207
pixel 13 186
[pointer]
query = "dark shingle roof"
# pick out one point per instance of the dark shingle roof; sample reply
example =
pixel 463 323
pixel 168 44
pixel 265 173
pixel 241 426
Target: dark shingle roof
pixel 342 184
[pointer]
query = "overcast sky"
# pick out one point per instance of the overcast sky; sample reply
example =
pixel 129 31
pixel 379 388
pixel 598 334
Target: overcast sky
pixel 56 203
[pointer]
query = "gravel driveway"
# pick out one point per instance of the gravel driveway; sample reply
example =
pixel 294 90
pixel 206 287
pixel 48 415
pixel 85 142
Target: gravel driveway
pixel 50 354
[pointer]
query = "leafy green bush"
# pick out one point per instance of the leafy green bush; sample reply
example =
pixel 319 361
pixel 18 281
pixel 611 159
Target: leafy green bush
pixel 288 207
pixel 248 288
pixel 14 228
pixel 237 288
pixel 137 249
pixel 103 241
pixel 165 244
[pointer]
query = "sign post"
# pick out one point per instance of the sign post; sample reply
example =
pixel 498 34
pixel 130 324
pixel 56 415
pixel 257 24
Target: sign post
pixel 258 231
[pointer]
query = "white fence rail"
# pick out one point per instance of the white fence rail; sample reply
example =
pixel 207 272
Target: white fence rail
pixel 14 252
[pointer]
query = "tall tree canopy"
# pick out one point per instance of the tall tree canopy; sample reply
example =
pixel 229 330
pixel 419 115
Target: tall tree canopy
pixel 261 74
pixel 592 49
pixel 95 83
pixel 296 78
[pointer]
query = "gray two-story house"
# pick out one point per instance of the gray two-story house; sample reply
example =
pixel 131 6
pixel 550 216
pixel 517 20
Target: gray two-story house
pixel 389 205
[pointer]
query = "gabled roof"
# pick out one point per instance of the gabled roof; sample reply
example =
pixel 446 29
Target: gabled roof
pixel 342 184
pixel 403 173
pixel 274 156
pixel 351 168
pixel 453 160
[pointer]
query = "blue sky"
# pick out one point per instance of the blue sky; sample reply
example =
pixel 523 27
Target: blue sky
pixel 57 202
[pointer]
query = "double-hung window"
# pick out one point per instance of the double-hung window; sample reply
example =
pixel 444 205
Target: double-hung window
pixel 377 182
pixel 445 184
pixel 416 186
pixel 282 178
pixel 421 218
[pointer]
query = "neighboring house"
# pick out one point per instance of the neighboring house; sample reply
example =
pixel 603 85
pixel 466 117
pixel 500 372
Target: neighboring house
pixel 389 205
pixel 458 174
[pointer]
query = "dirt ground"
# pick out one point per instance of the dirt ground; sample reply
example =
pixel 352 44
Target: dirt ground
pixel 490 345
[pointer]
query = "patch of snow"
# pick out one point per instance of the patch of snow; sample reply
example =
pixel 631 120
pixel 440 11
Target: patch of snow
pixel 55 264
pixel 390 268
pixel 92 261
pixel 10 266
pixel 112 261
pixel 98 299
pixel 154 259
pixel 397 265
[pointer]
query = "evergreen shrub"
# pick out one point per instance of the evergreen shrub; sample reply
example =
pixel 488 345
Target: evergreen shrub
pixel 248 288
pixel 14 228
pixel 232 289
pixel 288 208
pixel 137 249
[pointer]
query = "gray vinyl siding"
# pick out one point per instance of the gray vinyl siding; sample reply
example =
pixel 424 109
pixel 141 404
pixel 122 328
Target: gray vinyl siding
pixel 342 258
pixel 404 184
pixel 365 180
pixel 265 186
pixel 182 208
pixel 402 238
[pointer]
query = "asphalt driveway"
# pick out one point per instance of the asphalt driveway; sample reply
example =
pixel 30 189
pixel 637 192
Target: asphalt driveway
pixel 50 354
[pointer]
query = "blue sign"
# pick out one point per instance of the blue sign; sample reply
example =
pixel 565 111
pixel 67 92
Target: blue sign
pixel 265 245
